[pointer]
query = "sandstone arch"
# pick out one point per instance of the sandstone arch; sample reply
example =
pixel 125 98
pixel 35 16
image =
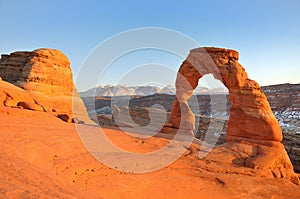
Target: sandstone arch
pixel 251 118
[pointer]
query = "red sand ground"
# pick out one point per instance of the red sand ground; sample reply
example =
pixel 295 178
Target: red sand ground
pixel 43 157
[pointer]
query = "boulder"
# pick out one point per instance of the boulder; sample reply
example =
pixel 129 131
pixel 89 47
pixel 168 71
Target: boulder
pixel 64 117
pixel 11 95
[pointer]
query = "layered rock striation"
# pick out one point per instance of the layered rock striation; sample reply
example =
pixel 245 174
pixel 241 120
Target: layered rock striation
pixel 45 74
pixel 251 118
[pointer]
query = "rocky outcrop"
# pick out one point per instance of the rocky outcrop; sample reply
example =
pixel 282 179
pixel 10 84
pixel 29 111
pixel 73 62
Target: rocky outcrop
pixel 13 96
pixel 46 76
pixel 251 118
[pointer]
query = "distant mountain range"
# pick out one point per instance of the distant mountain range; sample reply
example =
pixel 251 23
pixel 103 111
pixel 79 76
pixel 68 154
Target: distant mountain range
pixel 119 90
pixel 284 100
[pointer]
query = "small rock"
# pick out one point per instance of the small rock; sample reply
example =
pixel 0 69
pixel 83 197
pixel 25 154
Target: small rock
pixel 168 124
pixel 77 121
pixel 64 117
pixel 30 106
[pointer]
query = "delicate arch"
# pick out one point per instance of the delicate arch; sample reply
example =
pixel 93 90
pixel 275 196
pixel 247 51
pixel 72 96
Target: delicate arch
pixel 251 118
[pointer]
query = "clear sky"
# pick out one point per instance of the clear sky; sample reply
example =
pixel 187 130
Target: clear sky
pixel 265 32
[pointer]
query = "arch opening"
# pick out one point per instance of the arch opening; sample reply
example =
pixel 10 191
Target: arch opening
pixel 210 106
pixel 251 118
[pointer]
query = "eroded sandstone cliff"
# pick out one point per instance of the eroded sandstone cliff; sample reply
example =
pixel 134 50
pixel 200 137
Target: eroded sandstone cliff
pixel 45 74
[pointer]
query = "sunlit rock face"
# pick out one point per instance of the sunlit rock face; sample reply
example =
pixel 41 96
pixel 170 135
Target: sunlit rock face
pixel 45 74
pixel 251 117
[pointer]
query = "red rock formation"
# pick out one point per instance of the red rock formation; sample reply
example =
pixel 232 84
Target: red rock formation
pixel 13 96
pixel 251 117
pixel 46 75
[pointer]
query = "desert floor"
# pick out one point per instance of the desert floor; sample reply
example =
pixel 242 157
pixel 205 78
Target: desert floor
pixel 42 156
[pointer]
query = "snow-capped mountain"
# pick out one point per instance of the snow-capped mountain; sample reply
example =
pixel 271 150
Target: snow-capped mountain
pixel 284 100
pixel 119 90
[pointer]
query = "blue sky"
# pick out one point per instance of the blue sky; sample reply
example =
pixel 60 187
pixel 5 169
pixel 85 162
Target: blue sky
pixel 265 32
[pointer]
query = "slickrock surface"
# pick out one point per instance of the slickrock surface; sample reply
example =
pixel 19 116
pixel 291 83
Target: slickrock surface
pixel 13 96
pixel 46 75
pixel 251 118
pixel 43 157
